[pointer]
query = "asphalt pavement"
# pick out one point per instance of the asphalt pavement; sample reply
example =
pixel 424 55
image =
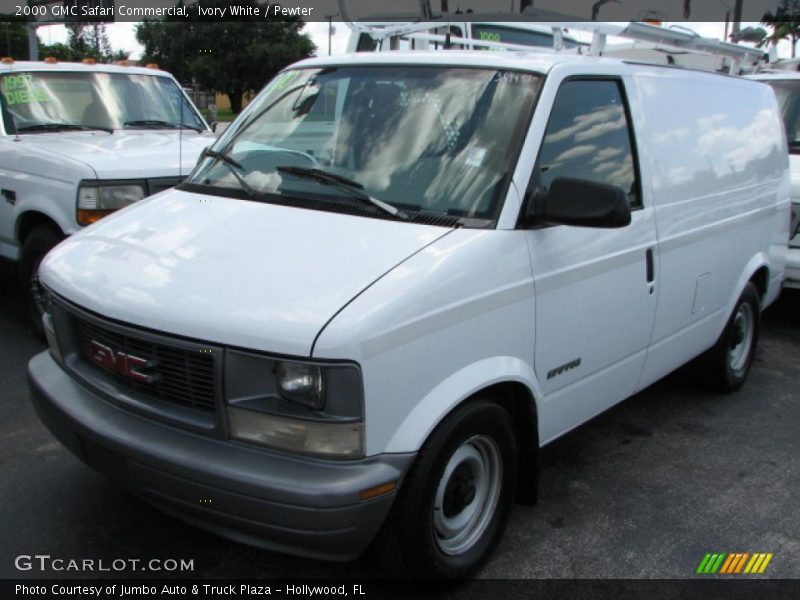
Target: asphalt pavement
pixel 643 491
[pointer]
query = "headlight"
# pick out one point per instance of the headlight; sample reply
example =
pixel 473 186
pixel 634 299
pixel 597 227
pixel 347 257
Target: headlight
pixel 302 383
pixel 96 200
pixel 299 405
pixel 49 325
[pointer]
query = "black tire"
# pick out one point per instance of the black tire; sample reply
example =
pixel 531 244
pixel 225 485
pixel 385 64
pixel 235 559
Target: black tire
pixel 726 365
pixel 411 543
pixel 38 243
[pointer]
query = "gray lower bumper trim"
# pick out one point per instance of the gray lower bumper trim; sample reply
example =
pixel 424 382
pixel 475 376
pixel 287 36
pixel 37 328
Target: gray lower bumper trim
pixel 297 505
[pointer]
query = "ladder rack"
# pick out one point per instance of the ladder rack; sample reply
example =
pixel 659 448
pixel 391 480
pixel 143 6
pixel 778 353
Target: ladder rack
pixel 656 37
pixel 660 36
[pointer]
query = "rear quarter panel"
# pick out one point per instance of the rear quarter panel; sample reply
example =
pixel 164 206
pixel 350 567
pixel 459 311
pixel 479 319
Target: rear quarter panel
pixel 715 151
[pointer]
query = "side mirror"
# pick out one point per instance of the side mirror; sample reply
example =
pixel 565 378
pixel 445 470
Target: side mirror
pixel 214 126
pixel 581 203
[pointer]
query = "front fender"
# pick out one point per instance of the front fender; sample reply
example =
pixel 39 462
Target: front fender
pixel 56 201
pixel 452 391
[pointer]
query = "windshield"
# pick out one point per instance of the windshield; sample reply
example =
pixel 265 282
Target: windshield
pixel 435 139
pixel 788 94
pixel 41 101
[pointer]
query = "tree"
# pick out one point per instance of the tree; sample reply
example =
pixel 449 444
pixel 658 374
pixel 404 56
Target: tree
pixel 784 22
pixel 89 40
pixel 165 43
pixel 84 40
pixel 13 37
pixel 61 52
pixel 229 57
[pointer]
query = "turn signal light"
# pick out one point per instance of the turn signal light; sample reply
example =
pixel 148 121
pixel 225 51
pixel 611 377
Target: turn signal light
pixel 51 60
pixel 87 217
pixel 152 65
pixel 6 60
pixel 378 490
pixel 89 61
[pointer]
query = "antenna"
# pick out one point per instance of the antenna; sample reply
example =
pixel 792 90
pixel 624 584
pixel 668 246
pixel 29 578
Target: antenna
pixel 180 134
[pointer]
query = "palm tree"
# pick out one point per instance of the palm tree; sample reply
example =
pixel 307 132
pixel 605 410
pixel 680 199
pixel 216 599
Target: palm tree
pixel 784 22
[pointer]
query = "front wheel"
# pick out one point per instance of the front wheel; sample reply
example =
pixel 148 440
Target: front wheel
pixel 452 508
pixel 38 243
pixel 726 365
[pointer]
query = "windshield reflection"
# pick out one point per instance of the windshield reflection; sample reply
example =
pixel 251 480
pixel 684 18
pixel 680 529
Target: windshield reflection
pixel 424 138
pixel 41 101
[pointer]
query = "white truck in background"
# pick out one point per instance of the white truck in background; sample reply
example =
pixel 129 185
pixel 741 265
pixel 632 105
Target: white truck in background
pixel 787 89
pixel 79 141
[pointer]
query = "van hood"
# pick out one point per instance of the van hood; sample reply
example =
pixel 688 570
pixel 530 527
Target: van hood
pixel 227 271
pixel 134 154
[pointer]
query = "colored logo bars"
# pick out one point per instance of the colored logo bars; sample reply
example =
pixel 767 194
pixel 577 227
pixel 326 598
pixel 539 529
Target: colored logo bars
pixel 734 563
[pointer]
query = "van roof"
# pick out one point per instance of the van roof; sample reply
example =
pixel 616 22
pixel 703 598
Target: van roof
pixel 775 76
pixel 27 65
pixel 538 61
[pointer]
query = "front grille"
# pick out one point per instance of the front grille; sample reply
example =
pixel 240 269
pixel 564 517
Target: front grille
pixel 184 377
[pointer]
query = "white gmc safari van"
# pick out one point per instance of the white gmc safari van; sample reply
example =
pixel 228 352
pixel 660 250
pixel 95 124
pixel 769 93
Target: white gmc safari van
pixel 78 141
pixel 397 276
pixel 787 90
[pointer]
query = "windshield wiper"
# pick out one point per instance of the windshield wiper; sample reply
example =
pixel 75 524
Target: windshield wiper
pixel 234 166
pixel 353 188
pixel 155 123
pixel 44 127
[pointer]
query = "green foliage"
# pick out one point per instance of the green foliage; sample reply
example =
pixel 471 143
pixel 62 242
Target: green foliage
pixel 223 115
pixel 89 40
pixel 84 40
pixel 60 52
pixel 13 37
pixel 228 57
pixel 784 22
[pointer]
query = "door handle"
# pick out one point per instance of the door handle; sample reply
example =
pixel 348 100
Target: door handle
pixel 649 265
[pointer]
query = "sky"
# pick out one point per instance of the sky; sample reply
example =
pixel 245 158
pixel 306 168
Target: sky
pixel 122 36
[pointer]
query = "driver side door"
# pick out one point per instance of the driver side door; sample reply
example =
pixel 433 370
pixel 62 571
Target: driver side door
pixel 595 288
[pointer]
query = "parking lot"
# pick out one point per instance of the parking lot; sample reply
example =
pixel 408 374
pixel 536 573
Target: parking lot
pixel 644 491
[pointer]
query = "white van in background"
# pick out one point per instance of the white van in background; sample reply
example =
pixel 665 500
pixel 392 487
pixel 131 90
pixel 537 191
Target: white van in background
pixel 536 35
pixel 78 141
pixel 396 276
pixel 787 89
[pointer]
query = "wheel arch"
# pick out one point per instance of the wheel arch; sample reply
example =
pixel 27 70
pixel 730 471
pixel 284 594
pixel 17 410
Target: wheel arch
pixel 756 271
pixel 761 280
pixel 518 400
pixel 514 388
pixel 30 219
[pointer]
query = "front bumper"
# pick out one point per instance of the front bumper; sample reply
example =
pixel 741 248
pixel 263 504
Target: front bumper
pixel 291 504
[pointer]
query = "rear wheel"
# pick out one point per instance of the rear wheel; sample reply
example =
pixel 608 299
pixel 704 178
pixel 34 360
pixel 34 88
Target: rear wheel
pixel 452 508
pixel 38 243
pixel 726 365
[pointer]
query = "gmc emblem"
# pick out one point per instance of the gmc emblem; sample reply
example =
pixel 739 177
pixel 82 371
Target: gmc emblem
pixel 121 363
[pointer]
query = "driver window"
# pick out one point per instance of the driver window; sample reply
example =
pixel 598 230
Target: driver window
pixel 588 137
